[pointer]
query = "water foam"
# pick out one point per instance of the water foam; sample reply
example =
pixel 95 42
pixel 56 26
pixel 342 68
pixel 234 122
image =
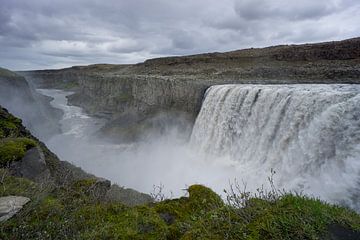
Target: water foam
pixel 310 134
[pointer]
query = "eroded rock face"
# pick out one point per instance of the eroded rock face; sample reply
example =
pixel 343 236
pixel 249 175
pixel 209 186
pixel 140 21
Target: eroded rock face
pixel 18 96
pixel 179 83
pixel 11 205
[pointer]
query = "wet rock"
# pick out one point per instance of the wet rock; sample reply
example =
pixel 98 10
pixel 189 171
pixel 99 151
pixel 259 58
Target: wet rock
pixel 11 205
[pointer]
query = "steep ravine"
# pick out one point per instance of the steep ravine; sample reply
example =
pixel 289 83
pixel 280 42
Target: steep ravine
pixel 177 84
pixel 19 97
pixel 42 120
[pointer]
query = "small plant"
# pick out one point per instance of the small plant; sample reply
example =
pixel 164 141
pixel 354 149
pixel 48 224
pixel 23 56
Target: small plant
pixel 239 197
pixel 158 194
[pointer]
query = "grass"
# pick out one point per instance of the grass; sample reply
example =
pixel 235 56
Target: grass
pixel 9 126
pixel 72 212
pixel 13 149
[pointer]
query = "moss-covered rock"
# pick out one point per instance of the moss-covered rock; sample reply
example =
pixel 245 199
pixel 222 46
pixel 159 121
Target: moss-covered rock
pixel 14 149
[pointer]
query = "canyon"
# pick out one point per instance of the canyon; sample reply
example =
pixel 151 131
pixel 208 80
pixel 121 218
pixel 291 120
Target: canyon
pixel 269 130
pixel 128 95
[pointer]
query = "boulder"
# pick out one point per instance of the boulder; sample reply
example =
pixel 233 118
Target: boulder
pixel 10 205
pixel 32 166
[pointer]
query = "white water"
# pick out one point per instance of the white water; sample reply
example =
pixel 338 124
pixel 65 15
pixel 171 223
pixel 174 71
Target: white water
pixel 309 134
pixel 163 160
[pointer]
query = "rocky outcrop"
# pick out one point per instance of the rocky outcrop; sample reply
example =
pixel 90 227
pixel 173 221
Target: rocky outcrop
pixel 32 166
pixel 11 205
pixel 178 83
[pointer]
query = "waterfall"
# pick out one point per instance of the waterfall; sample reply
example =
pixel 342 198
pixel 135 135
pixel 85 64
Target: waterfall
pixel 310 135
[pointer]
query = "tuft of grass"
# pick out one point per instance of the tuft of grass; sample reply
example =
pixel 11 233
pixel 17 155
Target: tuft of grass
pixel 13 149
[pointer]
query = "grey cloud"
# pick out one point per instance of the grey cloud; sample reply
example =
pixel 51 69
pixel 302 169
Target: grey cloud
pixel 297 10
pixel 57 33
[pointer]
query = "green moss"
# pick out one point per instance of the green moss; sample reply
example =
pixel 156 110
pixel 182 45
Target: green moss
pixel 202 198
pixel 9 126
pixel 202 215
pixel 13 149
pixel 289 217
pixel 120 222
pixel 299 217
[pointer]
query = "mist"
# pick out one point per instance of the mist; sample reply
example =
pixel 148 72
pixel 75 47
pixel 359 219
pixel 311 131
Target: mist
pixel 174 159
pixel 22 100
pixel 159 158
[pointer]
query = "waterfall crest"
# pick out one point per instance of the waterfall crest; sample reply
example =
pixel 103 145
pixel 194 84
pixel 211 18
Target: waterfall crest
pixel 310 134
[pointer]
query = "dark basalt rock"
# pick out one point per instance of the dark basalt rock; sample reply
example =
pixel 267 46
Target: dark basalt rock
pixel 32 166
pixel 338 232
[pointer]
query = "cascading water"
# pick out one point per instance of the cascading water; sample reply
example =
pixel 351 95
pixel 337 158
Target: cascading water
pixel 309 134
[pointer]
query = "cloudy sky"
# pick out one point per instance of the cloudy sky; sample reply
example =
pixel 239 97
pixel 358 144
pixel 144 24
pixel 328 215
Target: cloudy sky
pixel 38 34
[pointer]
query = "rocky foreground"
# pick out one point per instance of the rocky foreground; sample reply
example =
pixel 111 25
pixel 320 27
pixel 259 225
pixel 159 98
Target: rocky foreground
pixel 128 94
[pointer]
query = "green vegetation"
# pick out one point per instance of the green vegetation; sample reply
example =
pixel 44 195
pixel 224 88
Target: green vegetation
pixel 14 139
pixel 69 85
pixel 9 126
pixel 14 149
pixel 7 73
pixel 72 212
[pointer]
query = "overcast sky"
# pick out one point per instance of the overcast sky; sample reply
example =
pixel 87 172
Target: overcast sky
pixel 39 34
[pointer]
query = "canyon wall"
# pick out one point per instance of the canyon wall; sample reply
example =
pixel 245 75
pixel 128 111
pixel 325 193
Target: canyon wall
pixel 19 97
pixel 178 83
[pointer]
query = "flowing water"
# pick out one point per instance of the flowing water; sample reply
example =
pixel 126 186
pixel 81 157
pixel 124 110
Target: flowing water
pixel 309 134
pixel 160 160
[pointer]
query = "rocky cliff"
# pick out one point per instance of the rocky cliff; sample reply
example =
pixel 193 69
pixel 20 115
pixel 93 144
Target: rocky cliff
pixel 42 197
pixel 178 83
pixel 26 159
pixel 22 100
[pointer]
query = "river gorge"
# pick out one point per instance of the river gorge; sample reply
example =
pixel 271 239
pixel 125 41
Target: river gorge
pixel 308 134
